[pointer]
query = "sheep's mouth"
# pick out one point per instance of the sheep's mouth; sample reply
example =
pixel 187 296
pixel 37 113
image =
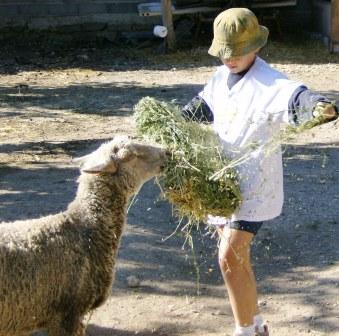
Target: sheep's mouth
pixel 163 165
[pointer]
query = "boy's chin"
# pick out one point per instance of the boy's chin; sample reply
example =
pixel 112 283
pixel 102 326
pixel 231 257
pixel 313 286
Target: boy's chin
pixel 234 70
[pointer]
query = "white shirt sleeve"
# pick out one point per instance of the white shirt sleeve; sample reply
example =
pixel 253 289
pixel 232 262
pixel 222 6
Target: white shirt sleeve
pixel 208 92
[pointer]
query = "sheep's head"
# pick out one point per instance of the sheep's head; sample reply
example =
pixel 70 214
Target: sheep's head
pixel 124 155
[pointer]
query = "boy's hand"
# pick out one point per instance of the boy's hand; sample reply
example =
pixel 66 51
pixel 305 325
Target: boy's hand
pixel 325 111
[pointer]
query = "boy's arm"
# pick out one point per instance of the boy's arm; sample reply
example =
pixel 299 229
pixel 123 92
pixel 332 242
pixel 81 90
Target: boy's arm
pixel 305 104
pixel 197 110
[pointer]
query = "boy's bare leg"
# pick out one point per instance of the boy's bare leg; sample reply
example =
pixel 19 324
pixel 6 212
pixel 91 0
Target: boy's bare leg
pixel 236 268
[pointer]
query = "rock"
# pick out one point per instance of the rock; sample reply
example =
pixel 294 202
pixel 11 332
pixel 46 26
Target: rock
pixel 262 303
pixel 218 313
pixel 133 281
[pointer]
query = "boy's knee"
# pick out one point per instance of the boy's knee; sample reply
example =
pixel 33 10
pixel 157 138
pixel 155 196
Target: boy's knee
pixel 233 258
pixel 230 260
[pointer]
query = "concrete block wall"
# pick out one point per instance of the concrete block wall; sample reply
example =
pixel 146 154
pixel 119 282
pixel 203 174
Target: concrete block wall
pixel 101 15
pixel 326 22
pixel 53 14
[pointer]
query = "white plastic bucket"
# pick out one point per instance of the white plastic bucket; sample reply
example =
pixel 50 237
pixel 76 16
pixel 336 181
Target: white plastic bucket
pixel 160 31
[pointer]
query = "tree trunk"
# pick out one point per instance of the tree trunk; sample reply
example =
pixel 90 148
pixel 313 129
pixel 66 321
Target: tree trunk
pixel 167 20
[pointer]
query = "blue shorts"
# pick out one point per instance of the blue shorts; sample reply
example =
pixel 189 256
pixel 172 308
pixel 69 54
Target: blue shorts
pixel 251 227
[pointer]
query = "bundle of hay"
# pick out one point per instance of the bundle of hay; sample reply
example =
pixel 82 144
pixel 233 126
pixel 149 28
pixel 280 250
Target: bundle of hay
pixel 197 155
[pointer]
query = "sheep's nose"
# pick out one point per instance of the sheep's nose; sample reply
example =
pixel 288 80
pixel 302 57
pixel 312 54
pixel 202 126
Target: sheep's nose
pixel 165 154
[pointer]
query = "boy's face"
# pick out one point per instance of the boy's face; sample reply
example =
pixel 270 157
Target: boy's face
pixel 239 63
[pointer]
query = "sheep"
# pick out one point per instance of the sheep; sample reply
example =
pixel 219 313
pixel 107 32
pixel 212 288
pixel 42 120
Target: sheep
pixel 55 269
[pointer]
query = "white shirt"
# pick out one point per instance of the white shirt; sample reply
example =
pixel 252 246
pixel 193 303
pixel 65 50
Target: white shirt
pixel 247 118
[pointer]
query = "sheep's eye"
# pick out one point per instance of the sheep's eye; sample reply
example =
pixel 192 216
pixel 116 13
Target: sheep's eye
pixel 115 150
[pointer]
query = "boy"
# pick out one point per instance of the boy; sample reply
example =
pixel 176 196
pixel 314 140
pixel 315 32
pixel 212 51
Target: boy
pixel 247 100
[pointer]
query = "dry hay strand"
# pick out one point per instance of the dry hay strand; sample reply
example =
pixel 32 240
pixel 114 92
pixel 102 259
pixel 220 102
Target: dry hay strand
pixel 196 155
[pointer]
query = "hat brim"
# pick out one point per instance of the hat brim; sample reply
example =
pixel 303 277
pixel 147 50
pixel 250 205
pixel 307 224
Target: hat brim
pixel 224 50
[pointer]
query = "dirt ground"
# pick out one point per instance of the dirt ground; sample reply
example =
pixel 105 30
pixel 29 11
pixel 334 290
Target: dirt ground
pixel 58 103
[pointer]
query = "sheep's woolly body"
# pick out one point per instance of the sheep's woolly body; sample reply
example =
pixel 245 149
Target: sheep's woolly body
pixel 55 269
pixel 53 244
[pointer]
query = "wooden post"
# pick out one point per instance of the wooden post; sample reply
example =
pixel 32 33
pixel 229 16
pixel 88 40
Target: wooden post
pixel 335 26
pixel 167 21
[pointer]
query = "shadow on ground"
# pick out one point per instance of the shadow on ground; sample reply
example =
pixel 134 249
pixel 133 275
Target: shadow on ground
pixel 42 102
pixel 161 330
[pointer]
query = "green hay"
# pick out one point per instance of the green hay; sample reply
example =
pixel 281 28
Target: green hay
pixel 196 155
pixel 291 131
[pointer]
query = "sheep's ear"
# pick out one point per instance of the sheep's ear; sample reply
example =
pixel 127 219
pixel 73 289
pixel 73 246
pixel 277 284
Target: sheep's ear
pixel 95 168
pixel 81 159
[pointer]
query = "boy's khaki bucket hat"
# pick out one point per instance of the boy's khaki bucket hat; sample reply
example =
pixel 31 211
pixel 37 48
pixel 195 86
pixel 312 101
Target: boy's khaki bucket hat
pixel 237 33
